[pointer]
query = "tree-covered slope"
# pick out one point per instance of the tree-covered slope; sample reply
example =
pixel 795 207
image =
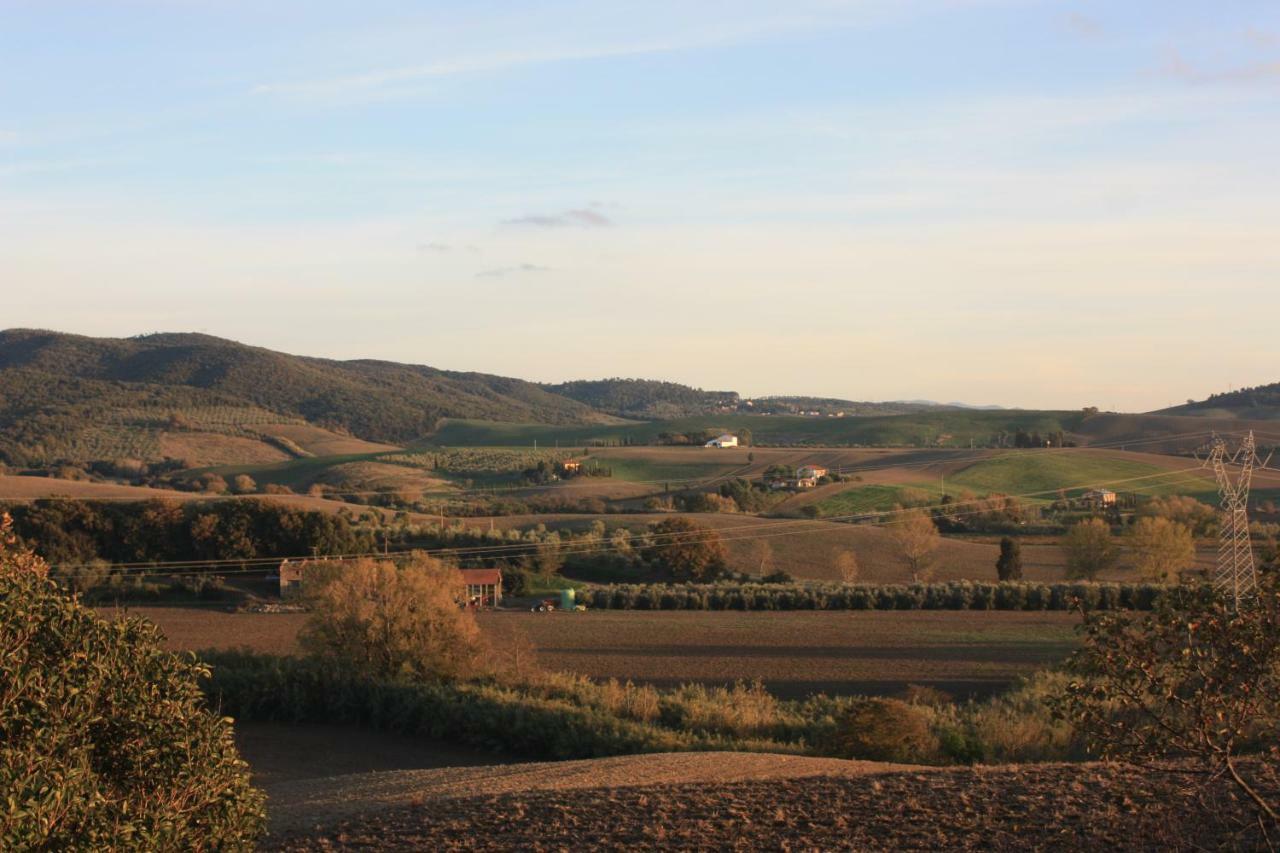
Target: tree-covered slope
pixel 1260 401
pixel 50 380
pixel 645 398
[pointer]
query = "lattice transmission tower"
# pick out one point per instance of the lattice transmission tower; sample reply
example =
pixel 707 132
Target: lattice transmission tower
pixel 1235 576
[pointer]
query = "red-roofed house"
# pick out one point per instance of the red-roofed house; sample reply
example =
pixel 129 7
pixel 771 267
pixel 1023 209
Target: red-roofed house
pixel 483 587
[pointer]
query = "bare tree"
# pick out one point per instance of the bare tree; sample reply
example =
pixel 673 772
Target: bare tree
pixel 916 538
pixel 760 558
pixel 846 563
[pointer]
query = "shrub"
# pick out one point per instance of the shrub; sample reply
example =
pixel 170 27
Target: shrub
pixel 105 740
pixel 884 730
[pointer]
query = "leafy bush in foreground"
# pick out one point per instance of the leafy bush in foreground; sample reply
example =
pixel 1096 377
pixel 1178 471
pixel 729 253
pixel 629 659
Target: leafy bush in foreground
pixel 105 740
pixel 953 595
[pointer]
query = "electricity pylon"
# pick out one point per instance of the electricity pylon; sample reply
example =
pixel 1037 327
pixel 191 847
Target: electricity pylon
pixel 1235 576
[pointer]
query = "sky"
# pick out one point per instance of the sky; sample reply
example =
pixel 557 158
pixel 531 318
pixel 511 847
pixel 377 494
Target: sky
pixel 1038 204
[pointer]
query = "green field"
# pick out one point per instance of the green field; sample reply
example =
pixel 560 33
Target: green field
pixel 944 428
pixel 872 498
pixel 1043 474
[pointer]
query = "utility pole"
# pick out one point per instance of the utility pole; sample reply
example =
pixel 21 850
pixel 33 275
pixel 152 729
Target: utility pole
pixel 1235 576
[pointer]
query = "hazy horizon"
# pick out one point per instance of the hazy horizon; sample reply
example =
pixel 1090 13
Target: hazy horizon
pixel 1030 204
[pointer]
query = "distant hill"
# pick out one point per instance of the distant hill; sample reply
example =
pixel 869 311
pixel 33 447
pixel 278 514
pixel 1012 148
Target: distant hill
pixel 834 405
pixel 646 399
pixel 55 385
pixel 1261 402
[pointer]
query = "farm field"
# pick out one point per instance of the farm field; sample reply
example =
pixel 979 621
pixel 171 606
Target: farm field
pixel 794 653
pixel 738 801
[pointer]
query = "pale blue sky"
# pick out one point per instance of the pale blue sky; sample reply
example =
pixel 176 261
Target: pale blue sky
pixel 1020 202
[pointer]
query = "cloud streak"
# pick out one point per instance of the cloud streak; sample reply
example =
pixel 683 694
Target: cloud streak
pixel 407 79
pixel 583 217
pixel 518 269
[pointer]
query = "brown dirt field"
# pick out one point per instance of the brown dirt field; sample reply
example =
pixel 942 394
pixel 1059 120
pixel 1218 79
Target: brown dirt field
pixel 796 653
pixel 199 449
pixel 1043 807
pixel 193 628
pixel 301 804
pixel 322 442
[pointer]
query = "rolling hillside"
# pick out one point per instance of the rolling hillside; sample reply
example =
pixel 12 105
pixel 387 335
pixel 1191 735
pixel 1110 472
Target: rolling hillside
pixel 68 398
pixel 1261 402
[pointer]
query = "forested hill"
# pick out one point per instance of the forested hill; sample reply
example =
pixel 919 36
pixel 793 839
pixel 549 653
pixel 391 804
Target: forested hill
pixel 46 373
pixel 645 398
pixel 1261 401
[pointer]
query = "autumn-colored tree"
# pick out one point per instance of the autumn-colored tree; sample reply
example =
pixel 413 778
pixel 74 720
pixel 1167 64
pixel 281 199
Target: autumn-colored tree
pixel 1162 548
pixel 1090 549
pixel 916 538
pixel 686 549
pixel 390 621
pixel 212 484
pixel 244 484
pixel 1200 518
pixel 846 563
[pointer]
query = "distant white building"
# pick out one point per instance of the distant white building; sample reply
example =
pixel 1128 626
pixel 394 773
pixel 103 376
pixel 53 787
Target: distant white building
pixel 1099 498
pixel 725 440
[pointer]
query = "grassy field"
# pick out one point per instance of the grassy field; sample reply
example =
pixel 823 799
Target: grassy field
pixel 794 653
pixel 873 497
pixel 1074 472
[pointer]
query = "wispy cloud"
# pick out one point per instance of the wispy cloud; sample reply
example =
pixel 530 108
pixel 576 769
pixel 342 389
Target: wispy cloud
pixel 379 79
pixel 1083 25
pixel 443 248
pixel 583 217
pixel 717 30
pixel 518 269
pixel 1178 65
pixel 7 136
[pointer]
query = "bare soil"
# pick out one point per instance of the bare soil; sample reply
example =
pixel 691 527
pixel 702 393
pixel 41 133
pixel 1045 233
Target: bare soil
pixel 305 803
pixel 796 653
pixel 1040 807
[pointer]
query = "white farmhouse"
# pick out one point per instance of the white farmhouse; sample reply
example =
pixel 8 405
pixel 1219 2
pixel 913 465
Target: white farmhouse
pixel 725 440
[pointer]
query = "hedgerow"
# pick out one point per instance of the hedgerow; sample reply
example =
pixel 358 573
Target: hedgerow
pixel 952 595
pixel 561 716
